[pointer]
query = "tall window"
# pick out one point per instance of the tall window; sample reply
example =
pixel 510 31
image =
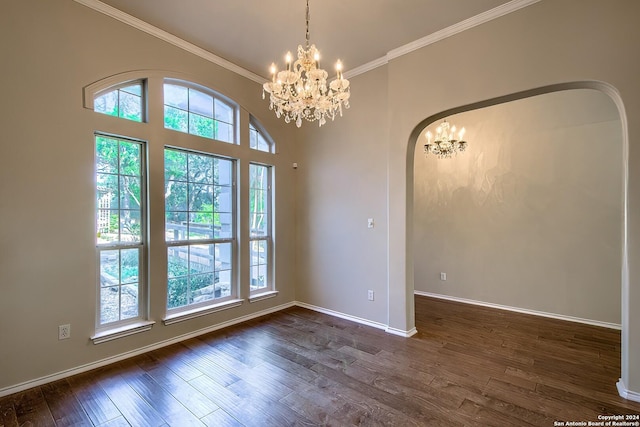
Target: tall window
pixel 199 228
pixel 125 101
pixel 260 227
pixel 198 113
pixel 120 213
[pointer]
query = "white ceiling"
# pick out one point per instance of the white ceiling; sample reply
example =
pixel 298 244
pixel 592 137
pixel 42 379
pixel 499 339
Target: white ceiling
pixel 254 33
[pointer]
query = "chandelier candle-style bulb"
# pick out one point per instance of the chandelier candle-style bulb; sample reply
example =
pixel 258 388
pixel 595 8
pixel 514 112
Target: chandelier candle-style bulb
pixel 445 143
pixel 301 90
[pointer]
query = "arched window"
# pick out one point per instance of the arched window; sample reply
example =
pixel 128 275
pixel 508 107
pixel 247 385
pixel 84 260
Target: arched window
pixel 126 101
pixel 198 111
pixel 259 139
pixel 202 226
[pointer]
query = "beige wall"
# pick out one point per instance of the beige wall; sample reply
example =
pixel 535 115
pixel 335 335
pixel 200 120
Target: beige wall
pixel 530 215
pixel 547 43
pixel 47 238
pixel 342 183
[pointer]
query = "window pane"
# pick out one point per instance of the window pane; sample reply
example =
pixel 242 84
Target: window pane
pixel 200 168
pixel 130 158
pixel 107 103
pixel 109 268
pixel 253 137
pixel 176 226
pixel 223 256
pixel 109 305
pixel 130 265
pixel 258 226
pixel 223 225
pixel 200 103
pixel 129 301
pixel 177 261
pixel 135 89
pixel 201 126
pixel 130 106
pixel 224 112
pixel 175 194
pixel 130 230
pixel 263 145
pixel 201 287
pixel 177 292
pixel 224 199
pixel 108 191
pixel 106 155
pixel 176 96
pixel 200 197
pixel 200 225
pixel 224 172
pixel 176 119
pixel 223 132
pixel 109 226
pixel 223 285
pixel 175 165
pixel 130 192
pixel 201 258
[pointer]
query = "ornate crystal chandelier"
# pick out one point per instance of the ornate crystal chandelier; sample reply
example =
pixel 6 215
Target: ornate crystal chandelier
pixel 445 143
pixel 301 92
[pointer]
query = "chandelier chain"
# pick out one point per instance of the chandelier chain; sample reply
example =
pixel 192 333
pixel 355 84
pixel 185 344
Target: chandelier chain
pixel 307 36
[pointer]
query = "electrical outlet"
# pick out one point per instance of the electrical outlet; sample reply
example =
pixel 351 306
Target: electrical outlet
pixel 370 295
pixel 443 276
pixel 64 332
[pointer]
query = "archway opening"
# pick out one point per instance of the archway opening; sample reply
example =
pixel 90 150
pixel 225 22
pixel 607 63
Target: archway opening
pixel 532 215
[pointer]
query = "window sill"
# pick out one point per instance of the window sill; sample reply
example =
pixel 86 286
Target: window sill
pixel 123 331
pixel 264 295
pixel 202 311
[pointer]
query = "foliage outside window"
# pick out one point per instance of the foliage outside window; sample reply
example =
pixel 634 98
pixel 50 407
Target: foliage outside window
pixel 259 226
pixel 199 219
pixel 257 140
pixel 119 226
pixel 198 113
pixel 124 102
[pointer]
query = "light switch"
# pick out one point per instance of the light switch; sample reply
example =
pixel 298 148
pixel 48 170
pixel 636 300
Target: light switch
pixel 370 223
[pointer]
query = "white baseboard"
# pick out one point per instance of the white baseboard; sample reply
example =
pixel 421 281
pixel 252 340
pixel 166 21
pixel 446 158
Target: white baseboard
pixel 113 359
pixel 342 315
pixel 522 310
pixel 399 332
pixel 627 394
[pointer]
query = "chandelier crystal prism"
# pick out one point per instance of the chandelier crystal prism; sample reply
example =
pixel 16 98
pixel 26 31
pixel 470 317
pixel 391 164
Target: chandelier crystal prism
pixel 300 91
pixel 445 143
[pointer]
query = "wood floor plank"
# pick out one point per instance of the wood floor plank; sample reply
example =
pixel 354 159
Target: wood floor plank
pixel 63 404
pixel 32 409
pixel 468 365
pixel 95 402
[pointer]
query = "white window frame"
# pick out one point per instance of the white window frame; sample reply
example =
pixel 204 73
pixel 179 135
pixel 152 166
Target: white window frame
pixel 139 323
pixel 189 311
pixel 269 287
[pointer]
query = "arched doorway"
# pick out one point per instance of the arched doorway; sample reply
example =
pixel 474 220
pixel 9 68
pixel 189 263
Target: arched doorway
pixel 491 178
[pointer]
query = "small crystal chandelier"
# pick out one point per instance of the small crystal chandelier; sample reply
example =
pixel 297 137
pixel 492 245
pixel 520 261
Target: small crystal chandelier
pixel 301 90
pixel 445 143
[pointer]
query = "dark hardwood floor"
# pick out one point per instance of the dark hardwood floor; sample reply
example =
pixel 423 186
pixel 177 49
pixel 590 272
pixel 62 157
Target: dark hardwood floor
pixel 468 365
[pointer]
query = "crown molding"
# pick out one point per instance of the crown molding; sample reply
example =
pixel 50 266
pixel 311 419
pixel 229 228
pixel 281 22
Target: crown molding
pixel 474 21
pixel 117 14
pixel 487 16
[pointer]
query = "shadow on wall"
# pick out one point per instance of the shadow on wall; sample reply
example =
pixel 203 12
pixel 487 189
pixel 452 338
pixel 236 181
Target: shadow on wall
pixel 530 215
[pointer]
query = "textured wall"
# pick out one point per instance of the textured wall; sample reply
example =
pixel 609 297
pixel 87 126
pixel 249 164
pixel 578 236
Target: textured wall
pixel 530 216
